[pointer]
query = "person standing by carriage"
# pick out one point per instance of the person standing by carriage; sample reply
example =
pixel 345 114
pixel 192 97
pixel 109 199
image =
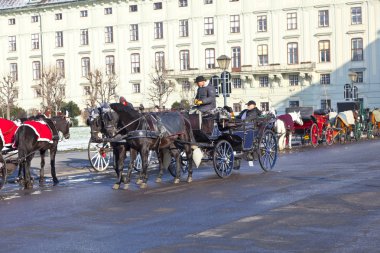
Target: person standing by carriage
pixel 251 113
pixel 205 98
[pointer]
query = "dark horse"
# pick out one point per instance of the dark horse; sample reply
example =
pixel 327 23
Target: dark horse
pixel 119 149
pixel 26 141
pixel 152 131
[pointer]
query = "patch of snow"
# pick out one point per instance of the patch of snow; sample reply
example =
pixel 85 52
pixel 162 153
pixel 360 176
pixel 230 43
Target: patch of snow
pixel 79 137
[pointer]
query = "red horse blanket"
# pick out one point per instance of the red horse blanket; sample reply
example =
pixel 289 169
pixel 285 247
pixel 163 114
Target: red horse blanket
pixel 41 129
pixel 288 121
pixel 7 131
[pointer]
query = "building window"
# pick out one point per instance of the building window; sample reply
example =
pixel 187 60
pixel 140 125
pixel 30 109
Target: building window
pixel 235 24
pixel 135 63
pixel 324 50
pixel 36 70
pixel 58 16
pixel 34 19
pixel 262 55
pixel 184 59
pixel 208 1
pixel 236 83
pixel 158 30
pixel 85 63
pixel 83 13
pixel 11 21
pixel 136 88
pixel 157 6
pixel 60 67
pixel 263 81
pixel 108 30
pixel 359 78
pixel 236 107
pixel 357 49
pixel 210 58
pixel 58 39
pixel 160 60
pixel 13 71
pixel 184 28
pixel 209 25
pixel 12 43
pixel 108 11
pixel 86 90
pixel 185 84
pixel 294 103
pixel 293 80
pixel 37 93
pixel 35 41
pixel 262 23
pixel 134 32
pixel 324 79
pixel 325 104
pixel 110 65
pixel 264 106
pixel 291 20
pixel 84 37
pixel 182 3
pixel 323 18
pixel 356 15
pixel 236 58
pixel 293 53
pixel 133 8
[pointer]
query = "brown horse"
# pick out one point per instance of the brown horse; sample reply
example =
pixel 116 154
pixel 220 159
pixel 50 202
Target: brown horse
pixel 28 142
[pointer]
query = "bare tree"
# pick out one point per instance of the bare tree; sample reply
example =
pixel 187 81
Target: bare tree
pixel 100 89
pixel 51 88
pixel 8 93
pixel 161 89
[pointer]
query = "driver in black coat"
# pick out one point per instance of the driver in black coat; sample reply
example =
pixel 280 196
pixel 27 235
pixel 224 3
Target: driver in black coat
pixel 205 98
pixel 251 113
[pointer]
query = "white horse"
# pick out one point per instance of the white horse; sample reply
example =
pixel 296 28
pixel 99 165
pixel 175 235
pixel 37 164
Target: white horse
pixel 284 129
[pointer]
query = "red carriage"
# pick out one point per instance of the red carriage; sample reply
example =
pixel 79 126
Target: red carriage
pixel 316 126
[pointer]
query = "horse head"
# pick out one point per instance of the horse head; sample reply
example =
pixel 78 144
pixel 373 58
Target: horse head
pixel 297 118
pixel 109 119
pixel 95 123
pixel 62 125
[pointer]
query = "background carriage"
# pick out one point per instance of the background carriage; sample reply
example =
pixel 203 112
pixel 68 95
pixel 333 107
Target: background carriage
pixel 316 126
pixel 347 124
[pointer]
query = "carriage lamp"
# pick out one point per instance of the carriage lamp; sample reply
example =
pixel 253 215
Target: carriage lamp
pixel 224 62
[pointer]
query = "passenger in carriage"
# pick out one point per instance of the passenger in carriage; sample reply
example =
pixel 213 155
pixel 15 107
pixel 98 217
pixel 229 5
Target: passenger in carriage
pixel 124 102
pixel 251 113
pixel 205 98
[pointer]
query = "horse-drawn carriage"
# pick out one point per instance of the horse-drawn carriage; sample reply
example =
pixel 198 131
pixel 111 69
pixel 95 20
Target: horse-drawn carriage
pixel 346 123
pixel 222 139
pixel 316 126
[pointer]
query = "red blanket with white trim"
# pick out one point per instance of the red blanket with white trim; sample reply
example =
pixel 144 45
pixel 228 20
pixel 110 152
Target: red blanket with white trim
pixel 7 131
pixel 41 129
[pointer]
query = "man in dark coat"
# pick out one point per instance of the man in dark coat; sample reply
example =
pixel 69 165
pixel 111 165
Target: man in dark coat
pixel 251 113
pixel 205 97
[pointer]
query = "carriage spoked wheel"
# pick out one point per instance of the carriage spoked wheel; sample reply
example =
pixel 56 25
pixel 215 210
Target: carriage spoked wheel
pixel 329 136
pixel 99 155
pixel 267 150
pixel 183 163
pixel 314 135
pixel 223 158
pixel 3 171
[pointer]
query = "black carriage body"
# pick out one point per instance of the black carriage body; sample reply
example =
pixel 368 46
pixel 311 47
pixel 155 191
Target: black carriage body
pixel 348 106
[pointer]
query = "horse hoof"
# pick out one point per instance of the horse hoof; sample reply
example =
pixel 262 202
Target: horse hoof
pixel 176 181
pixel 124 179
pixel 126 187
pixel 189 179
pixel 29 185
pixel 158 180
pixel 143 185
pixel 116 187
pixel 139 181
pixel 55 181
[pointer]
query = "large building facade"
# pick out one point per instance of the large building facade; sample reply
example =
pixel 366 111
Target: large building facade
pixel 283 53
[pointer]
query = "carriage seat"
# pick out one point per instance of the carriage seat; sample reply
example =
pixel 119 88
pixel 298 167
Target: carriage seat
pixel 321 112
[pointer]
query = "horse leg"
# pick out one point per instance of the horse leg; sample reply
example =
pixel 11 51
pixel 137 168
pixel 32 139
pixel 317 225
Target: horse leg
pixel 28 184
pixel 119 154
pixel 281 141
pixel 53 152
pixel 144 175
pixel 161 164
pixel 42 169
pixel 189 157
pixel 290 140
pixel 132 159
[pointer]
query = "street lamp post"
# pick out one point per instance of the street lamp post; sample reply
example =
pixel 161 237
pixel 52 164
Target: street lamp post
pixel 224 62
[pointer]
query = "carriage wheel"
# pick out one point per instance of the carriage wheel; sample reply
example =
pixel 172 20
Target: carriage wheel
pixel 99 155
pixel 357 133
pixel 267 150
pixel 137 164
pixel 329 136
pixel 223 158
pixel 3 171
pixel 184 165
pixel 314 135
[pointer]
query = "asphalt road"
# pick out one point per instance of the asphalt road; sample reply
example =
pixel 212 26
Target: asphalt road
pixel 315 200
